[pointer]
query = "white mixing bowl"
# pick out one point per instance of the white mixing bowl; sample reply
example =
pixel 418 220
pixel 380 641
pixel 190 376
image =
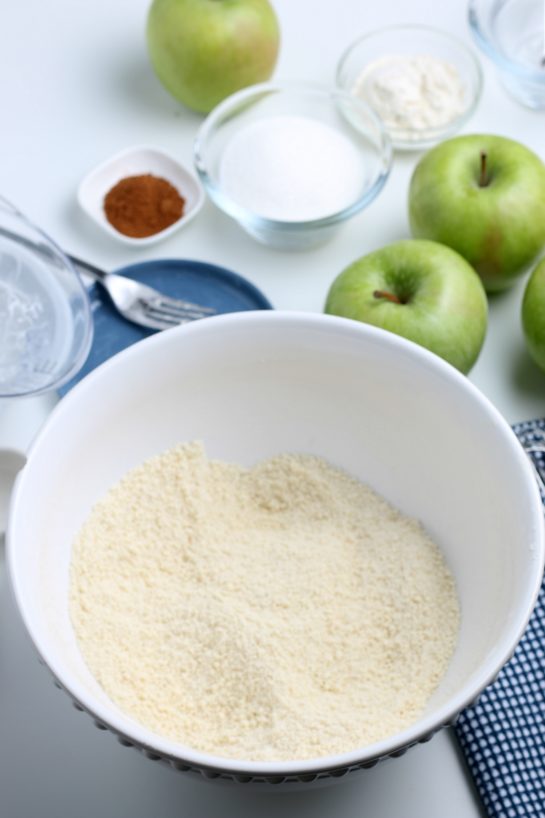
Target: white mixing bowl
pixel 258 383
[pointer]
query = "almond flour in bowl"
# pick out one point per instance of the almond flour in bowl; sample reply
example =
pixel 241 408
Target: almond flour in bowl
pixel 280 612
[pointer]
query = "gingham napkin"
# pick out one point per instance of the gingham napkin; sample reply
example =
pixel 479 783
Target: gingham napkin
pixel 503 735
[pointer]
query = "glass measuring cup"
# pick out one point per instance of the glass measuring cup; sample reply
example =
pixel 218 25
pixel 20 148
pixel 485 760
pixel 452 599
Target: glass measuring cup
pixel 45 316
pixel 46 330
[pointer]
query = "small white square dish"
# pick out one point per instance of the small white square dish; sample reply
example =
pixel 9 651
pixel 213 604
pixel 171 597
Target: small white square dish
pixel 138 161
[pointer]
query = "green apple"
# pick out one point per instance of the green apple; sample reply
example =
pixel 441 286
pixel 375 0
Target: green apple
pixel 205 50
pixel 533 314
pixel 421 290
pixel 484 196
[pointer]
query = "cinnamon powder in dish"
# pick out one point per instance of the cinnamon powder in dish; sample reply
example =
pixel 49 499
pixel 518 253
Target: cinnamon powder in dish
pixel 140 206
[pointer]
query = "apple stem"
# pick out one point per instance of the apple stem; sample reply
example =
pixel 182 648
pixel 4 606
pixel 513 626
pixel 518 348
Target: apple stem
pixel 384 294
pixel 483 181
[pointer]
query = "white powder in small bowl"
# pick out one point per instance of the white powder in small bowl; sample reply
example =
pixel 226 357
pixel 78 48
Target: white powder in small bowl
pixel 280 612
pixel 291 168
pixel 412 94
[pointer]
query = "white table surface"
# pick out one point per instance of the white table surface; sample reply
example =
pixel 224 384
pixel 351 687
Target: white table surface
pixel 76 87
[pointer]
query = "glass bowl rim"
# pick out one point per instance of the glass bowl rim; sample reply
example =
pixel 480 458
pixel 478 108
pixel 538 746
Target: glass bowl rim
pixel 241 214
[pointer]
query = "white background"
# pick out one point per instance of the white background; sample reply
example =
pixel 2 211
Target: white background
pixel 75 88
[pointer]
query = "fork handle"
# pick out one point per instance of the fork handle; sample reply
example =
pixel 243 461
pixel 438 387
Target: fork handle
pixel 94 272
pixel 90 269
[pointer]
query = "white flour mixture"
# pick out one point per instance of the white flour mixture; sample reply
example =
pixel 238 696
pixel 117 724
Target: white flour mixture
pixel 291 168
pixel 273 613
pixel 412 94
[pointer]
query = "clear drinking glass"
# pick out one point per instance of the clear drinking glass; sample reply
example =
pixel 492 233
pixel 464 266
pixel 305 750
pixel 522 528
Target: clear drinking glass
pixel 512 34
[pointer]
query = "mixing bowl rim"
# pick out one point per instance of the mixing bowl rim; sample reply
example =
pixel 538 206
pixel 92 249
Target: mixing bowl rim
pixel 420 730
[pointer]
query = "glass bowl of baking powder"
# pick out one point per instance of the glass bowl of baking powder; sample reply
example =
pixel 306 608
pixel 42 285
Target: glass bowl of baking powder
pixel 422 82
pixel 292 162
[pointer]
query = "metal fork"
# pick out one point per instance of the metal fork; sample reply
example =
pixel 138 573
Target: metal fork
pixel 142 304
pixel 134 301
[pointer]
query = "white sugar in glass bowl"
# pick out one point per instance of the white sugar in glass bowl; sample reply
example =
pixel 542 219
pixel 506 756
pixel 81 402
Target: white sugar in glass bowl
pixel 254 384
pixel 451 73
pixel 290 163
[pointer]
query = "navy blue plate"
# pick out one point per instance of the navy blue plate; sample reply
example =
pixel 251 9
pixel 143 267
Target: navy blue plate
pixel 197 281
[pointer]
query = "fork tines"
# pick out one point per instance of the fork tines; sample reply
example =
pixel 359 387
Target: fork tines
pixel 162 314
pixel 177 306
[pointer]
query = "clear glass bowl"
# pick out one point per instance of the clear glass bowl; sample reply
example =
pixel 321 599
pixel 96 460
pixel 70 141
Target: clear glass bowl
pixel 46 326
pixel 414 41
pixel 350 119
pixel 511 34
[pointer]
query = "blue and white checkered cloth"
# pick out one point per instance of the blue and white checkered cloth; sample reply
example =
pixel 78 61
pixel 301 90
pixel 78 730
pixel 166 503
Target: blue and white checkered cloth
pixel 503 735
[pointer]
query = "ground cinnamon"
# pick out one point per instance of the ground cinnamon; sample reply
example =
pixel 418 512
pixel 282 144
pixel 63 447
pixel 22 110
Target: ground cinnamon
pixel 140 206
